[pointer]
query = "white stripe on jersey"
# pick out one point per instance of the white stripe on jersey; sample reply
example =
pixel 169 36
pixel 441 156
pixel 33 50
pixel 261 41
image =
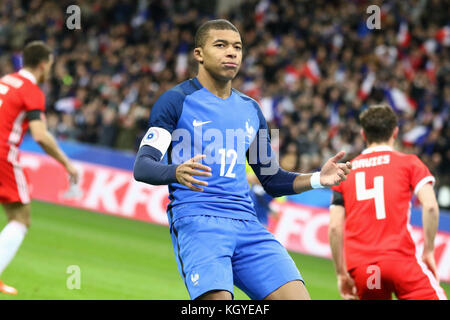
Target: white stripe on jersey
pixel 16 132
pixel 21 182
pixel 433 282
pixel 423 182
pixel 22 186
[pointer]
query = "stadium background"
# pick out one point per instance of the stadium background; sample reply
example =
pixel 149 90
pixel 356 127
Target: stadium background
pixel 312 65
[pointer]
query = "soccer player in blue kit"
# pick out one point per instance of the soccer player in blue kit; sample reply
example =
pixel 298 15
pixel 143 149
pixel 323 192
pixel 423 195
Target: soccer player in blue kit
pixel 208 131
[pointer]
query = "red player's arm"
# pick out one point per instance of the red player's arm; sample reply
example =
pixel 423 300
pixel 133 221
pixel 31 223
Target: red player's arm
pixel 346 284
pixel 336 237
pixel 430 221
pixel 44 138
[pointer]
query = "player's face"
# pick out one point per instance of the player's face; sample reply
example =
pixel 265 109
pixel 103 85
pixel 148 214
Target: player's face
pixel 222 54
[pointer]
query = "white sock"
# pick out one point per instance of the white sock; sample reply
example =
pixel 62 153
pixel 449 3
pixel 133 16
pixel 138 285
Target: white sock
pixel 11 238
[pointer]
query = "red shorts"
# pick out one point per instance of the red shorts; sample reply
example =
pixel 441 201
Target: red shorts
pixel 13 183
pixel 408 278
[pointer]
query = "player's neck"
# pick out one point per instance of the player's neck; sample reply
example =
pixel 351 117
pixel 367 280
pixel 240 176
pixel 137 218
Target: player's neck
pixel 34 72
pixel 380 144
pixel 221 89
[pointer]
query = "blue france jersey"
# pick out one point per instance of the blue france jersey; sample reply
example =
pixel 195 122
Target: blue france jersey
pixel 223 129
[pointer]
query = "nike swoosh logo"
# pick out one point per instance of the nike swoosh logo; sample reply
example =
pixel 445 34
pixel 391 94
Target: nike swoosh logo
pixel 196 123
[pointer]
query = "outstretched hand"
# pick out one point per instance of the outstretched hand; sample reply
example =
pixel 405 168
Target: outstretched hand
pixel 333 173
pixel 186 171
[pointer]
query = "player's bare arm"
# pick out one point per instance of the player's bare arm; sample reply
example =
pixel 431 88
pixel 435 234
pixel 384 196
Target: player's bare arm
pixel 336 237
pixel 430 220
pixel 48 143
pixel 346 285
pixel 332 174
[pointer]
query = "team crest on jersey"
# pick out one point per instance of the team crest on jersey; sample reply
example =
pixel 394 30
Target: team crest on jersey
pixel 249 131
pixel 152 135
pixel 194 278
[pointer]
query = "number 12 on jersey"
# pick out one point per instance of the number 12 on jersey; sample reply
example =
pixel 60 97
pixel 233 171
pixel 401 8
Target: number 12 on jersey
pixel 376 193
pixel 227 154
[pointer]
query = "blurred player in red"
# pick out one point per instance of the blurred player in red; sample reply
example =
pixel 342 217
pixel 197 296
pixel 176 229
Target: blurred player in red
pixel 373 251
pixel 22 106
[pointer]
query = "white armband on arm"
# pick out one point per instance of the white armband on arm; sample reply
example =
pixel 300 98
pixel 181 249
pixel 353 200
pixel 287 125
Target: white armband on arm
pixel 157 138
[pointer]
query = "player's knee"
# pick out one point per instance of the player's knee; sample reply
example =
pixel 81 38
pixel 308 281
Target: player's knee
pixel 293 290
pixel 23 219
pixel 27 221
pixel 23 216
pixel 216 295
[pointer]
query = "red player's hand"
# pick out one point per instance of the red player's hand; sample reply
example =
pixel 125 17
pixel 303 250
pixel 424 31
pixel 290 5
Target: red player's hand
pixel 428 259
pixel 347 288
pixel 73 173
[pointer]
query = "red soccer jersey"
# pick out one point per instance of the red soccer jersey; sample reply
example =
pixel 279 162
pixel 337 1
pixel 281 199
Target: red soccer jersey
pixel 19 94
pixel 377 196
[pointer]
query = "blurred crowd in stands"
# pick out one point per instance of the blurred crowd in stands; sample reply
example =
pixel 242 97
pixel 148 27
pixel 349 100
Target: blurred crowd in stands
pixel 312 65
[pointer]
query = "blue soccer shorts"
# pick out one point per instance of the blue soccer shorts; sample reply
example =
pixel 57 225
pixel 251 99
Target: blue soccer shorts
pixel 213 253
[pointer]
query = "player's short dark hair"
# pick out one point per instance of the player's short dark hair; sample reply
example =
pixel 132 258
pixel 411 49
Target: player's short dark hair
pixel 35 52
pixel 219 24
pixel 378 122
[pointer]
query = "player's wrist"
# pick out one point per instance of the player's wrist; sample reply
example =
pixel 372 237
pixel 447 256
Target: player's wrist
pixel 315 181
pixel 427 250
pixel 176 172
pixel 342 273
pixel 66 163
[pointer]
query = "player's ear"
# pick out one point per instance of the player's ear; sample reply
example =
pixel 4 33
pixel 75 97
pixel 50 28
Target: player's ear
pixel 395 133
pixel 41 66
pixel 363 134
pixel 198 55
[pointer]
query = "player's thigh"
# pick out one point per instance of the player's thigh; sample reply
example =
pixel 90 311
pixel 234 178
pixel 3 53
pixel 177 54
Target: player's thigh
pixel 414 281
pixel 13 184
pixel 261 265
pixel 203 246
pixel 372 282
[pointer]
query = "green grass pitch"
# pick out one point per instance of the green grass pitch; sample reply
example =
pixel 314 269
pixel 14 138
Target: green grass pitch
pixel 118 259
